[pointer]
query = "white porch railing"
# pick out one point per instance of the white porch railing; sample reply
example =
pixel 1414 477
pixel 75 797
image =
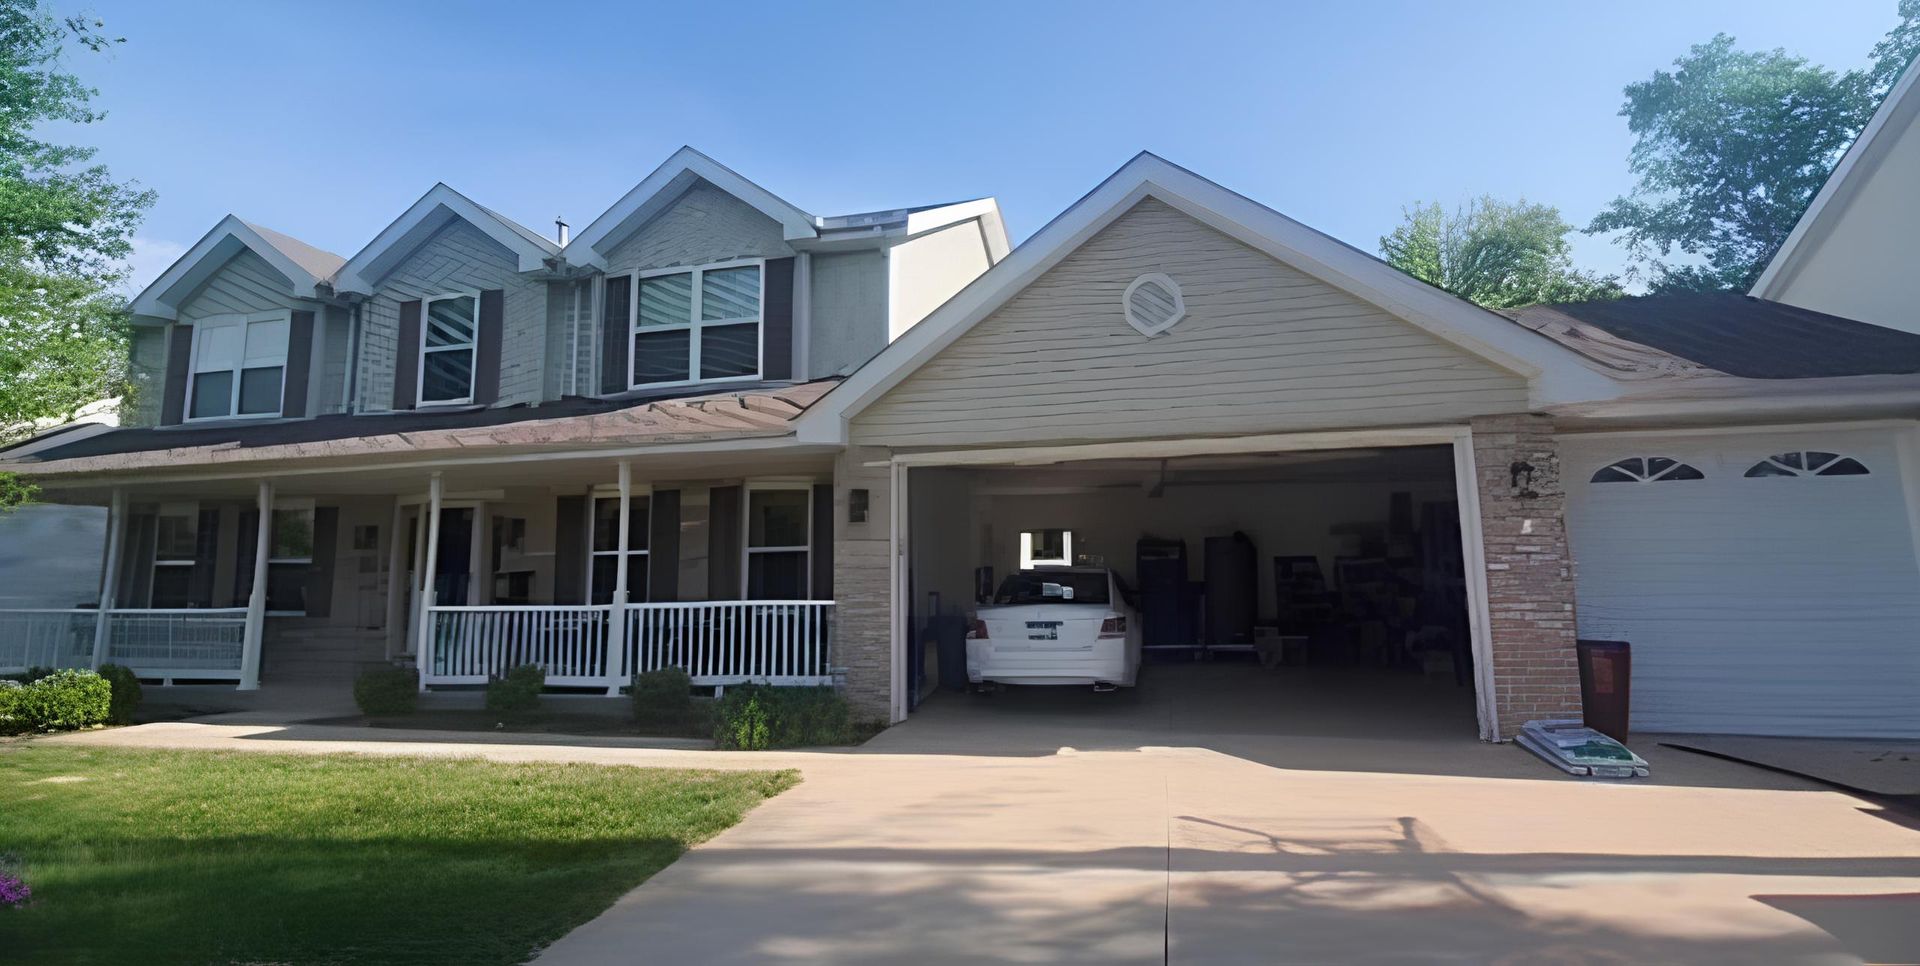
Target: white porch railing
pixel 718 643
pixel 46 638
pixel 187 643
pixel 184 643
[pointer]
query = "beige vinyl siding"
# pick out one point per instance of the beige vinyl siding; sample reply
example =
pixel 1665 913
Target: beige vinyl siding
pixel 849 311
pixel 1263 348
pixel 246 283
pixel 703 225
pixel 927 270
pixel 459 257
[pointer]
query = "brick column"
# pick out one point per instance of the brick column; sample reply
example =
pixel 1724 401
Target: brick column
pixel 863 583
pixel 1523 528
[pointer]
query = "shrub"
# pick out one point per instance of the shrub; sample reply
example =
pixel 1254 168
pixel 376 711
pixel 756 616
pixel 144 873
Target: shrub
pixel 387 690
pixel 11 723
pixel 662 697
pixel 518 692
pixel 126 692
pixel 756 717
pixel 63 700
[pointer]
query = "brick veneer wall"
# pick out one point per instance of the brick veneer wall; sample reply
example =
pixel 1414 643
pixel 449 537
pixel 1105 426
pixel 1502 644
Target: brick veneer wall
pixel 1529 570
pixel 862 584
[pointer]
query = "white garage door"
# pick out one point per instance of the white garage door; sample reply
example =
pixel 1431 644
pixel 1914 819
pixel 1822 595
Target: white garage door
pixel 1767 587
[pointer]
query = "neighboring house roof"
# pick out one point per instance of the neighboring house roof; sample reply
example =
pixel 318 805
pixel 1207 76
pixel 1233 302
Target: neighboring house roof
pixel 577 421
pixel 666 184
pixel 305 266
pixel 1896 114
pixel 1725 332
pixel 435 209
pixel 1554 372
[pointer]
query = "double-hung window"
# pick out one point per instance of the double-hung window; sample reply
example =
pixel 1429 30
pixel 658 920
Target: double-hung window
pixel 695 325
pixel 449 338
pixel 239 365
pixel 290 558
pixel 175 546
pixel 779 532
pixel 606 547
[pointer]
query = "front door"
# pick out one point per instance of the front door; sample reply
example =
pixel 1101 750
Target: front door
pixel 453 570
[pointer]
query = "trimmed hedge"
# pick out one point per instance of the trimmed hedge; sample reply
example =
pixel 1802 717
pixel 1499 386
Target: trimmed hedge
pixel 126 692
pixel 756 717
pixel 387 690
pixel 60 701
pixel 518 692
pixel 662 697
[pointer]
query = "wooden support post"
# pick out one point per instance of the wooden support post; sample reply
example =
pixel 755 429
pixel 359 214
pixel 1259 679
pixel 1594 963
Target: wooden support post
pixel 617 629
pixel 423 649
pixel 257 600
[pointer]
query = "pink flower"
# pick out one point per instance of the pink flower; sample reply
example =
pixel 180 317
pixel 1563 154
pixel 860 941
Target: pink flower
pixel 13 890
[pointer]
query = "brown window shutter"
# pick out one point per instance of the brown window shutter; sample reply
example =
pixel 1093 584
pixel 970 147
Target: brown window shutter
pixel 406 358
pixel 173 394
pixel 570 550
pixel 724 543
pixel 663 547
pixel 293 398
pixel 614 341
pixel 776 321
pixel 820 555
pixel 486 362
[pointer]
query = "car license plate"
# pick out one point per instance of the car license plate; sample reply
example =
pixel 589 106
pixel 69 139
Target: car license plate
pixel 1043 630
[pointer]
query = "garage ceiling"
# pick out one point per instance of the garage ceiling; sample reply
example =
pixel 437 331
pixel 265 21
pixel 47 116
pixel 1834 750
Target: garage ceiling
pixel 1415 464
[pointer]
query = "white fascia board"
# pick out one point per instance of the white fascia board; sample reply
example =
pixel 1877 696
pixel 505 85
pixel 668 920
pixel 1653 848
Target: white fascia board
pixel 424 217
pixel 665 183
pixel 992 227
pixel 1554 373
pixel 1852 171
pixel 160 299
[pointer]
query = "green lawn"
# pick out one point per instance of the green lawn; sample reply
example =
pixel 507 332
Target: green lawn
pixel 206 857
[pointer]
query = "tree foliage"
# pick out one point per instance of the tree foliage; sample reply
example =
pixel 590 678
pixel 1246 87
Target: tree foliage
pixel 1731 146
pixel 66 228
pixel 1495 253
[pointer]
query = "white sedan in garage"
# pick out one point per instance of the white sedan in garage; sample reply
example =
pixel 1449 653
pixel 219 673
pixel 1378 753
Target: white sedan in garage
pixel 1056 625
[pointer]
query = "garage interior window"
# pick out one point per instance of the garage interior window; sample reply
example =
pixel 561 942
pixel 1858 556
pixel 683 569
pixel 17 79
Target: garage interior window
pixel 1647 469
pixel 1807 463
pixel 606 547
pixel 779 531
pixel 697 325
pixel 1045 548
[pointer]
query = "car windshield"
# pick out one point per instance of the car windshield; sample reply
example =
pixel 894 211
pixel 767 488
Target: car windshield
pixel 1053 587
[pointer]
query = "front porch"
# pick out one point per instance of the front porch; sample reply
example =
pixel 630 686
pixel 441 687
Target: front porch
pixel 594 569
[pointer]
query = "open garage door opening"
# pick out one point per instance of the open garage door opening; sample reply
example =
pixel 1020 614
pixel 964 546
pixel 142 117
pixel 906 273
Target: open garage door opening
pixel 1313 593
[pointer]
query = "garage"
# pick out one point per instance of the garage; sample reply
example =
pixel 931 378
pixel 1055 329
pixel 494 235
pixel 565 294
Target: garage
pixel 1765 580
pixel 1282 592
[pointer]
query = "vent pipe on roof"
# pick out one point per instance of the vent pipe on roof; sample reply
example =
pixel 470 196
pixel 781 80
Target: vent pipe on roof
pixel 560 229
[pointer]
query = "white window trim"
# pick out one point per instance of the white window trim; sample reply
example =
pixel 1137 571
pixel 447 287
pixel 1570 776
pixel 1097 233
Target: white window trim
pixel 420 400
pixel 1028 561
pixel 156 561
pixel 612 492
pixel 1806 474
pixel 233 400
pixel 695 324
pixel 747 549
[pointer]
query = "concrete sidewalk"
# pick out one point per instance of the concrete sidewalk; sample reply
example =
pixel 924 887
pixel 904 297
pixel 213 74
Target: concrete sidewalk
pixel 904 851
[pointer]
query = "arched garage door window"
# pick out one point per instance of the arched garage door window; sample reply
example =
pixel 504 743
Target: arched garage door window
pixel 1807 463
pixel 1647 469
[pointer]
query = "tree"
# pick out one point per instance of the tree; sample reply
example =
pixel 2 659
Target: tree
pixel 65 229
pixel 1497 254
pixel 1731 147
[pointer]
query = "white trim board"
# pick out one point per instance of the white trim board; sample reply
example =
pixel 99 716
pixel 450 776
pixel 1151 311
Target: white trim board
pixel 665 184
pixel 161 299
pixel 1555 373
pixel 435 209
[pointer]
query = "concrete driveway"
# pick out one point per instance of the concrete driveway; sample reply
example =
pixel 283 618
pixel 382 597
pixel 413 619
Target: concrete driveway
pixel 1043 830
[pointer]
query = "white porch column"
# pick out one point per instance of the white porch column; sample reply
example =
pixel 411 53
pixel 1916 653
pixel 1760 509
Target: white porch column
pixel 617 631
pixel 423 646
pixel 110 577
pixel 257 600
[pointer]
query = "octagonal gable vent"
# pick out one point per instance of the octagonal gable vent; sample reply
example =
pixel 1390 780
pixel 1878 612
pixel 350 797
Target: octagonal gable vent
pixel 1153 304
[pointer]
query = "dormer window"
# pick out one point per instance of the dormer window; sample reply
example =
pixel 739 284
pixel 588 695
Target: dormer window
pixel 449 339
pixel 697 325
pixel 239 365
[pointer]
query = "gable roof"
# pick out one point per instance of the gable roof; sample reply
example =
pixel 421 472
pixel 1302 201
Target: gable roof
pixel 1897 113
pixel 666 184
pixel 1554 372
pixel 305 267
pixel 435 209
pixel 1725 332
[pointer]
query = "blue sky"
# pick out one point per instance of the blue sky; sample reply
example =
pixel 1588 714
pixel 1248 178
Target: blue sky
pixel 326 120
